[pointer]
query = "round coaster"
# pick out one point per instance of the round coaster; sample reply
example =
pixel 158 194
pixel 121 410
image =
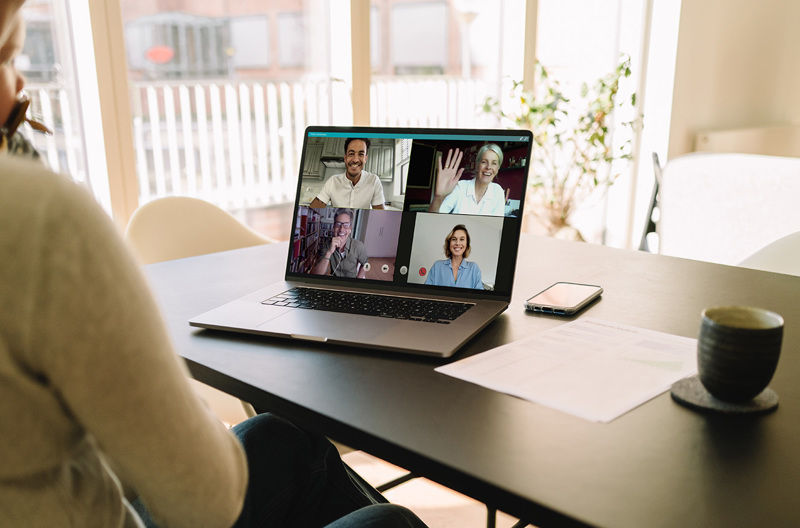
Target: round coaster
pixel 691 393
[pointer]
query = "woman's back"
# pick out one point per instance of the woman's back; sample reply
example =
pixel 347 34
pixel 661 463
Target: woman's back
pixel 86 368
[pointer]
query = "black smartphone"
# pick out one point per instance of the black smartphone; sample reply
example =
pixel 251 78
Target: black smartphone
pixel 563 298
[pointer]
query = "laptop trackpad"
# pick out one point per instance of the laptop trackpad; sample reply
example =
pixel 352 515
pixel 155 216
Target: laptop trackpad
pixel 329 325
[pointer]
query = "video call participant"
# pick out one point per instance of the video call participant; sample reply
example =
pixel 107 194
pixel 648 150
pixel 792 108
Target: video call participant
pixel 343 256
pixel 478 196
pixel 455 270
pixel 355 188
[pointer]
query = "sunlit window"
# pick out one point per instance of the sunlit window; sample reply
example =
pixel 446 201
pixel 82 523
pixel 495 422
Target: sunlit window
pixel 221 93
pixel 250 42
pixel 47 64
pixel 435 62
pixel 292 39
pixel 176 46
pixel 419 38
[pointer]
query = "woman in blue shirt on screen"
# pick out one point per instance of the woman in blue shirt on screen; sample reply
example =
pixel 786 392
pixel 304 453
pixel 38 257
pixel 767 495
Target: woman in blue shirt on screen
pixel 455 270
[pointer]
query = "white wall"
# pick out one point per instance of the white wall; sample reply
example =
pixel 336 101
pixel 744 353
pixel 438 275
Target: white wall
pixel 738 65
pixel 382 231
pixel 429 234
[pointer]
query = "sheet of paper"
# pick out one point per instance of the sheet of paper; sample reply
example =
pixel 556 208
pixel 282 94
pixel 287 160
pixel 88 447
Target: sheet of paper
pixel 594 369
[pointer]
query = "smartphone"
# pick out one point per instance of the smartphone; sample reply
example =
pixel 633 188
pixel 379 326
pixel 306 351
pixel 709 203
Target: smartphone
pixel 563 298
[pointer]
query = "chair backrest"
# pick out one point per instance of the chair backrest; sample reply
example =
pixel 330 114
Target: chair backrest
pixel 723 207
pixel 650 226
pixel 176 227
pixel 781 256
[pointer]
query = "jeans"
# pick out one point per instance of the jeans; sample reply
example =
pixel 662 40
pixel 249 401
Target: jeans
pixel 298 480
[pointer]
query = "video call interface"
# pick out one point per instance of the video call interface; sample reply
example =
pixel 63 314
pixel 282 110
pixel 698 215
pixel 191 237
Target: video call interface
pixel 427 210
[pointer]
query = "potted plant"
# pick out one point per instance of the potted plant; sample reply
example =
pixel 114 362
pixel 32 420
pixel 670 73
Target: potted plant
pixel 573 154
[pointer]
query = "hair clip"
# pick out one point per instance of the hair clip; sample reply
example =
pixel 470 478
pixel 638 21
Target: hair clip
pixel 17 116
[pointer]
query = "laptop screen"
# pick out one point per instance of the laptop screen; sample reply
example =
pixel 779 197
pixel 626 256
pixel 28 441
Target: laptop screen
pixel 412 209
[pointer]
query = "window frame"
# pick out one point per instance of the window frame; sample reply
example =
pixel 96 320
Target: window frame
pixel 114 98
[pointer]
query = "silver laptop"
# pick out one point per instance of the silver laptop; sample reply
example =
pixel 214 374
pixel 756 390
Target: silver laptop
pixel 379 258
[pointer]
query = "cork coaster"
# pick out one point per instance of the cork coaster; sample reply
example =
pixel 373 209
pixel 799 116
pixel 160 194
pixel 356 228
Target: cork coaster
pixel 691 393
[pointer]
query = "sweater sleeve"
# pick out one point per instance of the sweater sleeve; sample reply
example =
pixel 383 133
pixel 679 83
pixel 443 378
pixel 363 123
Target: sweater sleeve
pixel 104 348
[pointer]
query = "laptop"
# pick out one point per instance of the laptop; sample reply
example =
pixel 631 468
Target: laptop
pixel 387 263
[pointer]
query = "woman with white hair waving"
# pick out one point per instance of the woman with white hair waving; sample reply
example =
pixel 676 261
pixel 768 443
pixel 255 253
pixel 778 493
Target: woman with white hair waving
pixel 479 195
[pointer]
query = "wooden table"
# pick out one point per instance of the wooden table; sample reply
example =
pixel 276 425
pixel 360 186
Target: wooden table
pixel 659 465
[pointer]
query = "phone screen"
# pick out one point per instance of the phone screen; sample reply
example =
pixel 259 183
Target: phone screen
pixel 563 298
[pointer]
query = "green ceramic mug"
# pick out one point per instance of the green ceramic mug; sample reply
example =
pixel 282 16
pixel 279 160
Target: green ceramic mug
pixel 738 351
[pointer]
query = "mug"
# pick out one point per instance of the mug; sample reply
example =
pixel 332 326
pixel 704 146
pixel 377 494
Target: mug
pixel 738 351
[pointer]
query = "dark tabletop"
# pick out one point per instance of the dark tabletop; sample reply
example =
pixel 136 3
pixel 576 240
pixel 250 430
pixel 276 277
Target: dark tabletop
pixel 658 465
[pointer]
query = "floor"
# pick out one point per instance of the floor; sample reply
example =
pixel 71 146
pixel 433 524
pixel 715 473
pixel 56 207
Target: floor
pixel 437 506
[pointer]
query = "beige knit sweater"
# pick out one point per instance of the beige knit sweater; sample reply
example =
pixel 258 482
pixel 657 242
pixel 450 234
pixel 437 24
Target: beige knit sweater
pixel 88 377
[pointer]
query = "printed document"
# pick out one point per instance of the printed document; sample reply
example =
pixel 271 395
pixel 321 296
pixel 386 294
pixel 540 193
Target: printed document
pixel 594 369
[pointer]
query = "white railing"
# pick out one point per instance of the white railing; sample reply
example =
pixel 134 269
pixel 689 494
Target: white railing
pixel 445 102
pixel 237 144
pixel 63 151
pixel 233 144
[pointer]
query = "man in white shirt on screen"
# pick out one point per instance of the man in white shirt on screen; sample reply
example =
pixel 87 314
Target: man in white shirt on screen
pixel 356 188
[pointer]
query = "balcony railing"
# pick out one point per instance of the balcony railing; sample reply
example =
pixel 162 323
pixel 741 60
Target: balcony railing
pixel 237 144
pixel 63 151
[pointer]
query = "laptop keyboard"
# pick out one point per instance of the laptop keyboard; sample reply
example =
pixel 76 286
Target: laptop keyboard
pixel 426 310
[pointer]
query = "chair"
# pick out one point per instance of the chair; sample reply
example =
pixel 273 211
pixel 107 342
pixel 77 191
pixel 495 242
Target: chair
pixel 650 234
pixel 176 227
pixel 723 207
pixel 781 256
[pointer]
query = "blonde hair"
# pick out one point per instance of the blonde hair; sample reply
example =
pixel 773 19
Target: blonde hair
pixel 459 227
pixel 494 148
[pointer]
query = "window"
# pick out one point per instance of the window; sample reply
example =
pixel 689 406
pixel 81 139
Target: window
pixel 38 59
pixel 47 63
pixel 435 63
pixel 220 101
pixel 220 90
pixel 250 42
pixel 177 45
pixel 292 40
pixel 419 38
pixel 579 42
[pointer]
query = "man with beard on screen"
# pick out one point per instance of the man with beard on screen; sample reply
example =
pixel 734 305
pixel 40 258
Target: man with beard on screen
pixel 356 188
